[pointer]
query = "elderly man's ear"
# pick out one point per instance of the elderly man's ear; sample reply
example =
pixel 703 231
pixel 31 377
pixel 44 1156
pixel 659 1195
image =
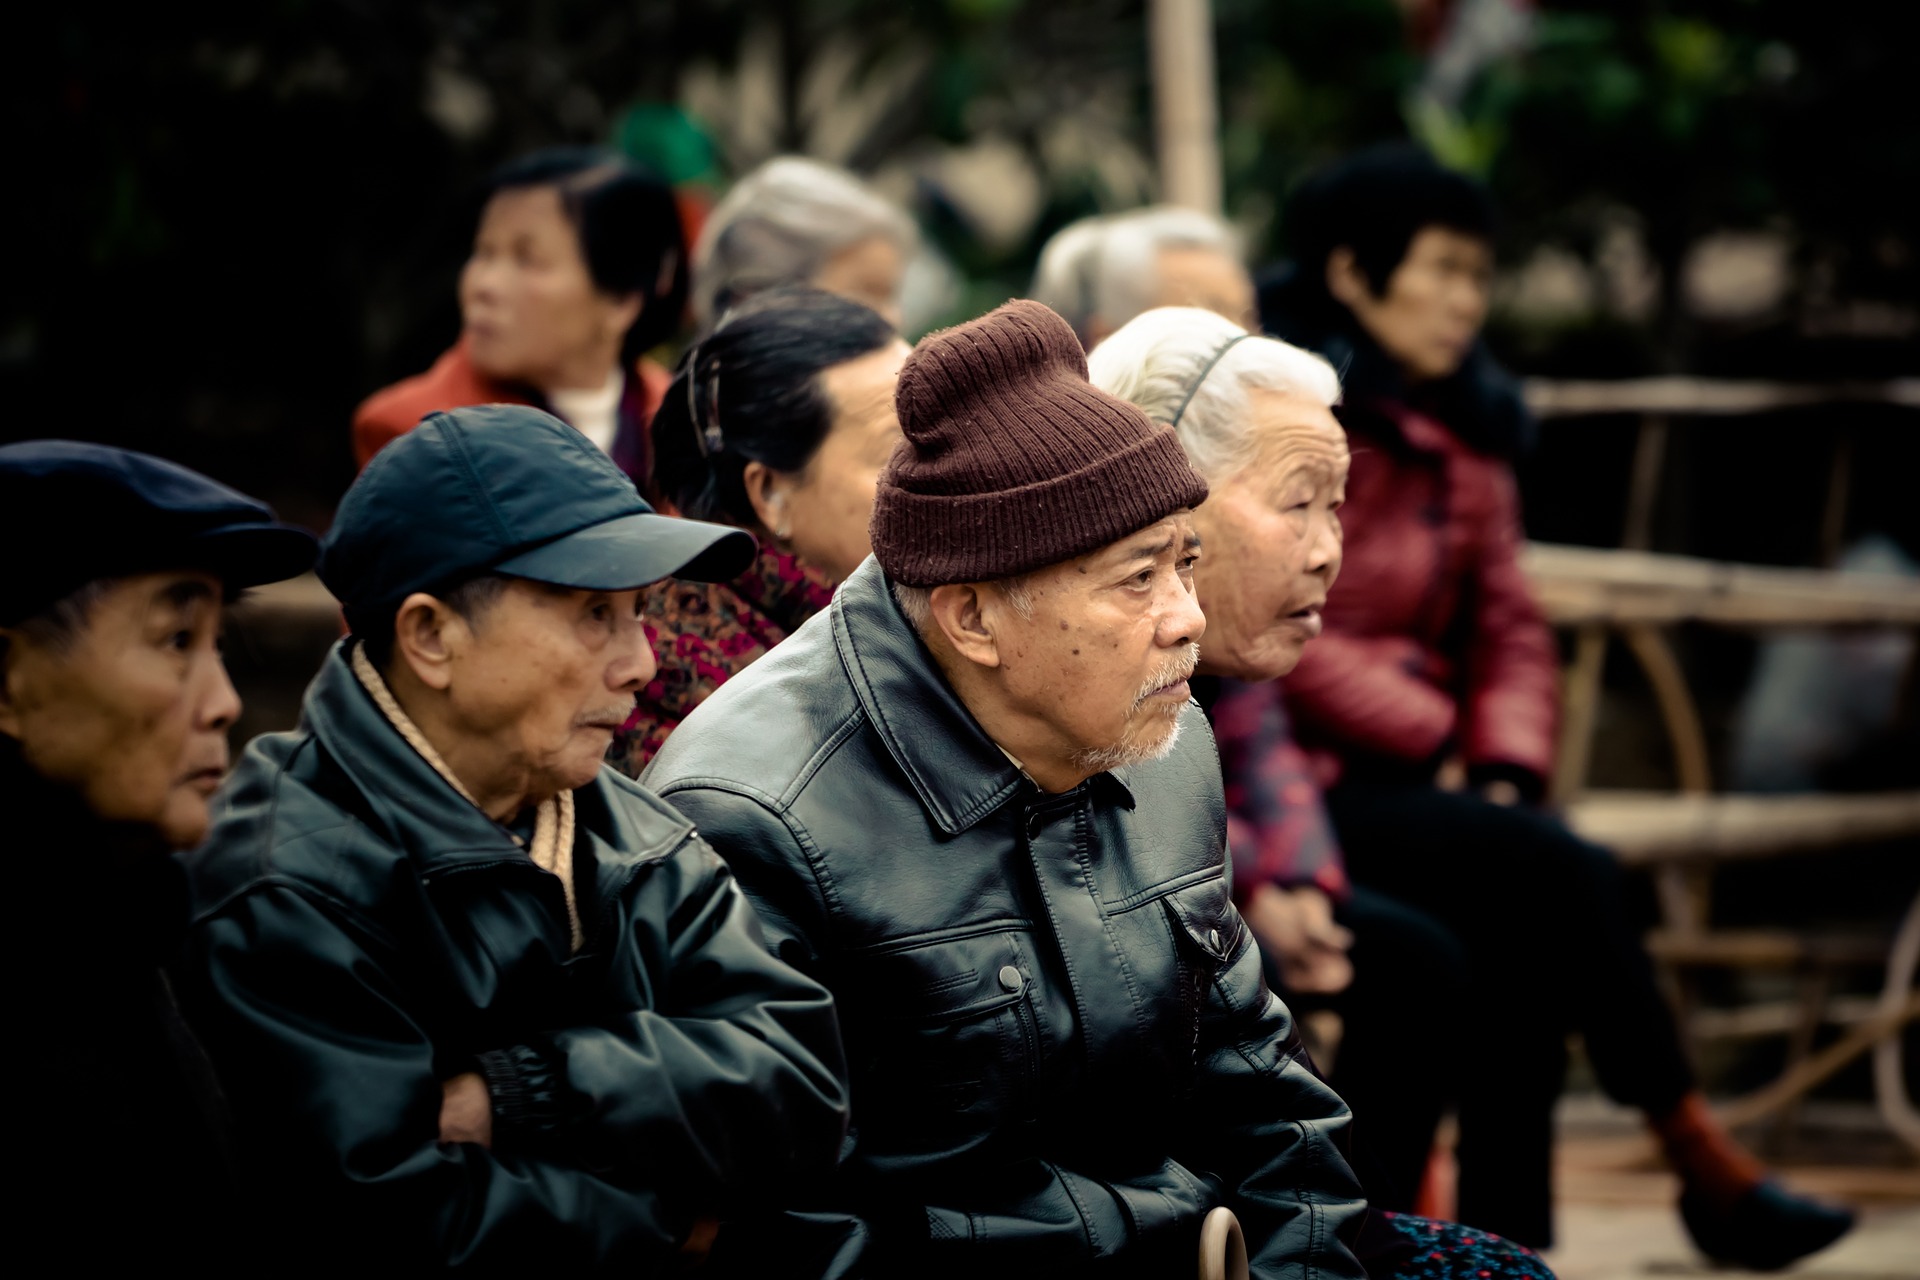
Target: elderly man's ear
pixel 426 636
pixel 970 616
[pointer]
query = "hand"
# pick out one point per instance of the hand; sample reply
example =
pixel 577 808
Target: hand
pixel 466 1110
pixel 1503 792
pixel 1297 926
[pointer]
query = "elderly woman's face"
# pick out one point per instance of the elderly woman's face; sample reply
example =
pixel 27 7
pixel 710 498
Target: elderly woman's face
pixel 869 272
pixel 1433 306
pixel 825 507
pixel 529 307
pixel 1272 533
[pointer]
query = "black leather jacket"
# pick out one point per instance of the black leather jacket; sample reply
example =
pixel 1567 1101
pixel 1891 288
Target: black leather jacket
pixel 361 933
pixel 1062 1051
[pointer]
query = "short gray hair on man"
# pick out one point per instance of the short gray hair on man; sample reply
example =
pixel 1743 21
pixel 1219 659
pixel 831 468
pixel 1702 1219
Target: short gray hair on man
pixel 1192 369
pixel 917 602
pixel 780 224
pixel 1063 279
pixel 1108 265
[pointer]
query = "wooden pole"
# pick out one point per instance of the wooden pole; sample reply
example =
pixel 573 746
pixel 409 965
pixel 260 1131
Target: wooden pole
pixel 1185 112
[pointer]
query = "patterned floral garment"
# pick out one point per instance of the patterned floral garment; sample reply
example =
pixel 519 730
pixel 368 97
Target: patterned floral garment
pixel 705 632
pixel 1427 1249
pixel 1277 828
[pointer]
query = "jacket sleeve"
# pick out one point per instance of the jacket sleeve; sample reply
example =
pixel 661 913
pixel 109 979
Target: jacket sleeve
pixel 1369 692
pixel 733 1083
pixel 1267 1126
pixel 1512 684
pixel 339 1091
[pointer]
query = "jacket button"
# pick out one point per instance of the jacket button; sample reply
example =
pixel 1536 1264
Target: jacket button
pixel 1034 823
pixel 1213 939
pixel 1010 978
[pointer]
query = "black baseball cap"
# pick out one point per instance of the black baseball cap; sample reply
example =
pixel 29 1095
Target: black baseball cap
pixel 72 512
pixel 506 489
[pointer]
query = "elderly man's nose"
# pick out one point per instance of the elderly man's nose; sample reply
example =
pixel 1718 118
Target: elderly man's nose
pixel 221 704
pixel 635 664
pixel 1183 622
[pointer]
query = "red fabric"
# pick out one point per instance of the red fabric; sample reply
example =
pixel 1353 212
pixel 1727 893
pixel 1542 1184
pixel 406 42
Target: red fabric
pixel 453 383
pixel 1433 640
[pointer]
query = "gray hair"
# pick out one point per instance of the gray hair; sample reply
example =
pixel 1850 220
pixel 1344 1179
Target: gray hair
pixel 1192 369
pixel 1109 266
pixel 780 224
pixel 917 602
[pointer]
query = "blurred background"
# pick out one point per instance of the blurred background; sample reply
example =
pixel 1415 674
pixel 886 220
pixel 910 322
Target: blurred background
pixel 236 220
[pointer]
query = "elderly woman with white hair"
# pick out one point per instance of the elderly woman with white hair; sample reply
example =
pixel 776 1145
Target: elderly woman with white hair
pixel 798 221
pixel 1102 271
pixel 1255 416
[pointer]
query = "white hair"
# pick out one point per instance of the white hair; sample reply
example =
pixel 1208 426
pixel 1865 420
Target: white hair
pixel 780 224
pixel 1109 267
pixel 1176 364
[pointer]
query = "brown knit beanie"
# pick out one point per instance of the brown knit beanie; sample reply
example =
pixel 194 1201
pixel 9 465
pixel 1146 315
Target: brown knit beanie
pixel 1013 460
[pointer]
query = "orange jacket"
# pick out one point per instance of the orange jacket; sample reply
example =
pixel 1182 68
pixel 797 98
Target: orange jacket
pixel 452 382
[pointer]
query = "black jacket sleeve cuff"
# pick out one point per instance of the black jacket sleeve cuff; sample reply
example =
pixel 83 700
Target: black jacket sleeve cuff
pixel 527 1090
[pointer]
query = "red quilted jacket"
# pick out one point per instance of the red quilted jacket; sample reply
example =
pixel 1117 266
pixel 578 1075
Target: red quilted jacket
pixel 1433 642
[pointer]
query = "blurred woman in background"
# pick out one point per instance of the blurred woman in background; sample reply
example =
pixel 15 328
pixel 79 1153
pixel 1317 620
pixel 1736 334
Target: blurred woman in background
pixel 779 423
pixel 1429 709
pixel 798 221
pixel 578 269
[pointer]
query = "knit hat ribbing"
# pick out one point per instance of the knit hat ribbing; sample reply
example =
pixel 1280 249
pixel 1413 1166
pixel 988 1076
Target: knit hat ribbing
pixel 1013 460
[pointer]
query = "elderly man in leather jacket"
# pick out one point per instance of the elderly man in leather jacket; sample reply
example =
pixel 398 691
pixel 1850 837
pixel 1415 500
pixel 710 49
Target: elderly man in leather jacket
pixel 483 1004
pixel 974 798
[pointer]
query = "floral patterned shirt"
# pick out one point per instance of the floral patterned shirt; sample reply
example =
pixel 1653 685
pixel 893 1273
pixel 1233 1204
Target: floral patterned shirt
pixel 705 632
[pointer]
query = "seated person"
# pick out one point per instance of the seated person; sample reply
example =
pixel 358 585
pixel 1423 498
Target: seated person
pixel 778 423
pixel 1429 708
pixel 798 221
pixel 484 1003
pixel 974 798
pixel 1255 416
pixel 114 712
pixel 578 269
pixel 1101 272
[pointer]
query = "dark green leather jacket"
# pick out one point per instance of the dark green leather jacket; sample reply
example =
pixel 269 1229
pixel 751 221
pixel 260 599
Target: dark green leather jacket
pixel 1062 1051
pixel 361 933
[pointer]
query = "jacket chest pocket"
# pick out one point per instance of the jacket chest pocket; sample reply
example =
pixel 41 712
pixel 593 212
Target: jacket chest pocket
pixel 951 1044
pixel 1207 935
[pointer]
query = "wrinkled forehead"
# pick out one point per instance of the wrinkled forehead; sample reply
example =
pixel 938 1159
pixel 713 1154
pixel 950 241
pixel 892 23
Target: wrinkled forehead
pixel 1294 437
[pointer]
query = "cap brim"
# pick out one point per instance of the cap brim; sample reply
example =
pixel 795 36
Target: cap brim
pixel 632 551
pixel 248 555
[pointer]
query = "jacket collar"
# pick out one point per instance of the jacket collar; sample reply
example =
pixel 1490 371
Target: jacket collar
pixel 958 772
pixel 423 814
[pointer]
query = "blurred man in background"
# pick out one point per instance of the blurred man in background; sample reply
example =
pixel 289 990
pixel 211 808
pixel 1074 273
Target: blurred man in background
pixel 1101 272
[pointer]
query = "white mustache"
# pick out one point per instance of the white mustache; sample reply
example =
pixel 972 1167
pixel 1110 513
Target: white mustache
pixel 1179 669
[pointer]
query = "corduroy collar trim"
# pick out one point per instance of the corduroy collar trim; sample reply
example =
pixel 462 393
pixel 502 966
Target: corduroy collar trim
pixel 960 774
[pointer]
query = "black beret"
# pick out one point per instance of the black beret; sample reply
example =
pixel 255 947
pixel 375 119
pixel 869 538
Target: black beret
pixel 73 512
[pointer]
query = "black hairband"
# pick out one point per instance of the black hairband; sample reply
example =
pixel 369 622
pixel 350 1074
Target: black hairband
pixel 1195 388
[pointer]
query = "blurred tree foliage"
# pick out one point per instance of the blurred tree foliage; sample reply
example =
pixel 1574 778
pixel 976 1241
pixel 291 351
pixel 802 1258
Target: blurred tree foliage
pixel 239 216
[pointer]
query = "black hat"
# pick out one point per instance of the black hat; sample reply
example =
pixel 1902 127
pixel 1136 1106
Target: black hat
pixel 71 513
pixel 507 489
